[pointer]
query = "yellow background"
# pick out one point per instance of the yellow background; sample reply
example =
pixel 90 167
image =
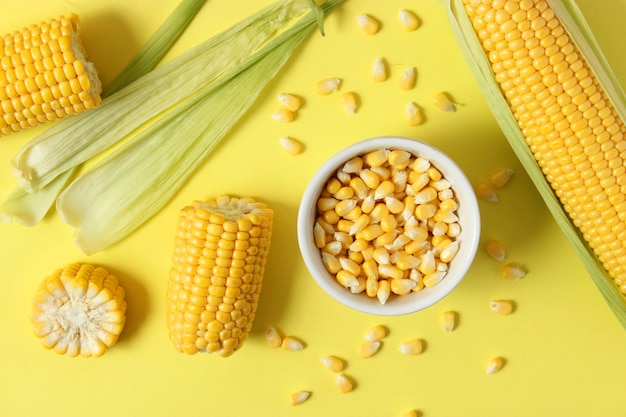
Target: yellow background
pixel 564 349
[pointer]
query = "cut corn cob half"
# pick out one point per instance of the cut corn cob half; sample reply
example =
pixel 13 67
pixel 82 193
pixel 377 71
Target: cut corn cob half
pixel 44 75
pixel 562 111
pixel 79 310
pixel 213 291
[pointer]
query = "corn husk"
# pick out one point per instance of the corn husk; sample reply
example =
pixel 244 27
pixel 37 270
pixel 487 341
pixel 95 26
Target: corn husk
pixel 573 21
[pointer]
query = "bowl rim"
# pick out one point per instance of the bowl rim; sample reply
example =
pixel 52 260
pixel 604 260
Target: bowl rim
pixel 424 298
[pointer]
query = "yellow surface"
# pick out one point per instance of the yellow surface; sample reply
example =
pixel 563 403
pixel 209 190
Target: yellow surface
pixel 563 348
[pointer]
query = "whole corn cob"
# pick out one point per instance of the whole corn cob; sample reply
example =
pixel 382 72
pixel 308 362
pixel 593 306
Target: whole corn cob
pixel 558 102
pixel 79 310
pixel 44 75
pixel 213 291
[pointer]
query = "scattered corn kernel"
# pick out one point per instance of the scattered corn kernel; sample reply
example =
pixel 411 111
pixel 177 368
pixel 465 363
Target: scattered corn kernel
pixel 344 383
pixel 290 101
pixel 407 79
pixel 368 24
pixel 495 249
pixel 485 192
pixel 327 86
pixel 273 337
pixel 283 115
pixel 333 363
pixel 349 102
pixel 411 413
pixel 368 349
pixel 291 344
pixel 513 271
pixel 500 177
pixel 375 334
pixel 414 116
pixel 291 145
pixel 299 397
pixel 408 20
pixel 448 321
pixel 412 347
pixel 494 365
pixel 442 101
pixel 504 307
pixel 379 70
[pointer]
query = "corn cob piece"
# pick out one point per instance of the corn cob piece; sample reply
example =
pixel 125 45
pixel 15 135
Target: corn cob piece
pixel 546 71
pixel 44 75
pixel 220 252
pixel 79 310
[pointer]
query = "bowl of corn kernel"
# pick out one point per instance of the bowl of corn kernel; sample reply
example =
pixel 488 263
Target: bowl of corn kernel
pixel 388 225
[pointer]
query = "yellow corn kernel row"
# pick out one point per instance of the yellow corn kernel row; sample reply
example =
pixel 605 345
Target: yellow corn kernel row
pixel 79 310
pixel 387 224
pixel 220 252
pixel 44 75
pixel 569 123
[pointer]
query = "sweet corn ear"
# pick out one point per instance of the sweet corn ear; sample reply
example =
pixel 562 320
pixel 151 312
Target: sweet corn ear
pixel 79 310
pixel 220 253
pixel 44 75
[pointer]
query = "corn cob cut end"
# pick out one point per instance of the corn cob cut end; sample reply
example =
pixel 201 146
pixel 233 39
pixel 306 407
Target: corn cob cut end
pixel 79 310
pixel 45 75
pixel 220 252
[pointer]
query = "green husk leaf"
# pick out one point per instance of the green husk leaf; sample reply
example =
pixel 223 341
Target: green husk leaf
pixel 134 182
pixel 319 15
pixel 481 69
pixel 29 208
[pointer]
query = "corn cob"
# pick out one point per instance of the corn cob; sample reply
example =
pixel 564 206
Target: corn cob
pixel 79 310
pixel 571 123
pixel 44 75
pixel 213 291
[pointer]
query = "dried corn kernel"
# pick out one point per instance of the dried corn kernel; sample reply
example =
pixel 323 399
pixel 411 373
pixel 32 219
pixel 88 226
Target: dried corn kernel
pixel 501 177
pixel 504 307
pixel 368 349
pixel 273 337
pixel 327 86
pixel 448 321
pixel 290 101
pixel 283 115
pixel 494 365
pixel 291 145
pixel 344 383
pixel 333 363
pixel 485 192
pixel 379 70
pixel 383 291
pixel 291 344
pixel 299 397
pixel 414 116
pixel 368 24
pixel 411 347
pixel 408 20
pixel 375 334
pixel 513 271
pixel 349 102
pixel 407 79
pixel 495 249
pixel 442 101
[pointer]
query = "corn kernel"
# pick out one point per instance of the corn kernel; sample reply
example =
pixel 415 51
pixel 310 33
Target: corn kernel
pixel 414 116
pixel 495 249
pixel 273 337
pixel 333 363
pixel 375 334
pixel 442 101
pixel 485 192
pixel 349 102
pixel 292 146
pixel 448 321
pixel 283 115
pixel 291 344
pixel 299 397
pixel 411 413
pixel 327 86
pixel 407 79
pixel 494 365
pixel 383 291
pixel 513 271
pixel 501 177
pixel 504 307
pixel 368 349
pixel 411 347
pixel 379 70
pixel 344 383
pixel 368 24
pixel 290 101
pixel 408 20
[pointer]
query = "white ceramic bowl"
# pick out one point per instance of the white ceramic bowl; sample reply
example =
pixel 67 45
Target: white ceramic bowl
pixel 469 220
